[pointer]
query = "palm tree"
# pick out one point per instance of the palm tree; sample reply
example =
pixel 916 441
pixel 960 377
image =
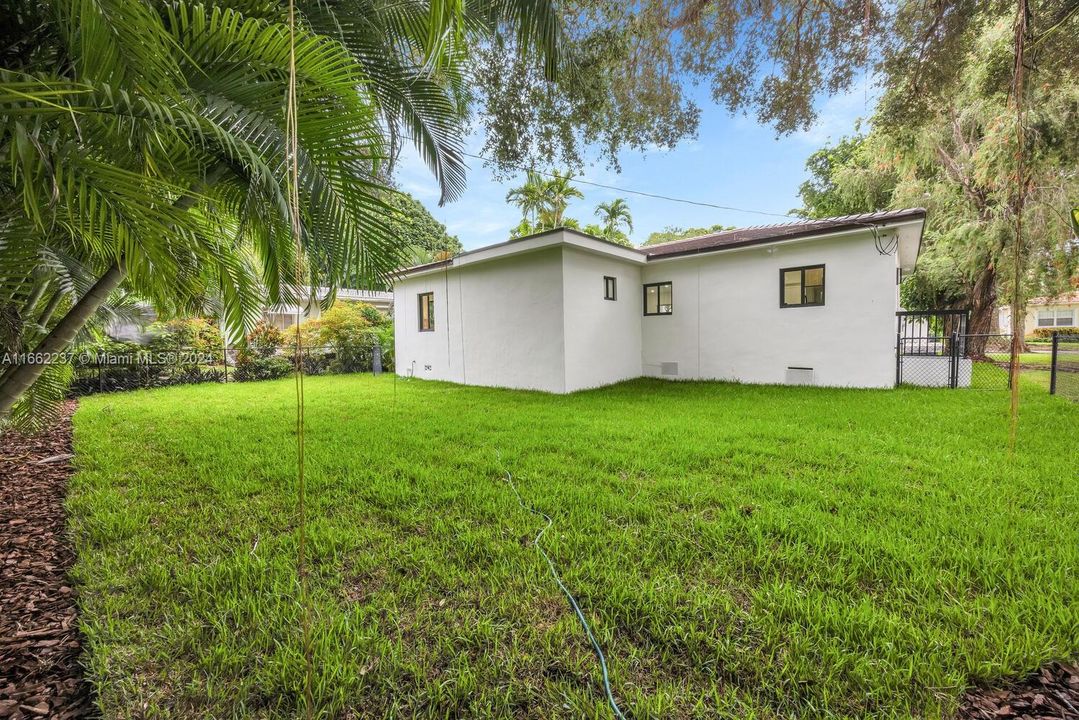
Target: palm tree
pixel 530 197
pixel 557 192
pixel 614 215
pixel 147 144
pixel 542 201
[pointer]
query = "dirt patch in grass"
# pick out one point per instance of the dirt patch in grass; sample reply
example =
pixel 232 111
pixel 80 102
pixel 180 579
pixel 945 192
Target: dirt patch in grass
pixel 40 675
pixel 1052 692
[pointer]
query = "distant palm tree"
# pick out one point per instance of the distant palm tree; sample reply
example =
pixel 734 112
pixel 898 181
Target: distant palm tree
pixel 543 201
pixel 530 197
pixel 558 191
pixel 614 215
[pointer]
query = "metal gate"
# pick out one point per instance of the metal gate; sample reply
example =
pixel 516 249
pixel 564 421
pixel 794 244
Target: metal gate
pixel 930 348
pixel 934 349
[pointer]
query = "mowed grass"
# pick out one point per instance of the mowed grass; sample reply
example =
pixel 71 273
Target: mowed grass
pixel 741 551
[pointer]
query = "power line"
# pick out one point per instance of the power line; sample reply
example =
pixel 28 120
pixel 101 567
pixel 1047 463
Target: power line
pixel 655 196
pixel 637 192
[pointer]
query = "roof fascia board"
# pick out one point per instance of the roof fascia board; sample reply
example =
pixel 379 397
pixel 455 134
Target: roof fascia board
pixel 824 235
pixel 542 241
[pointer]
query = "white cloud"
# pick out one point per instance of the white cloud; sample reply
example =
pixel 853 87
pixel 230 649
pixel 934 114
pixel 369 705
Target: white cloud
pixel 837 115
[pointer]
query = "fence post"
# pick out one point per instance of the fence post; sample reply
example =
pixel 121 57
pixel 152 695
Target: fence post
pixel 1053 364
pixel 954 379
pixel 898 354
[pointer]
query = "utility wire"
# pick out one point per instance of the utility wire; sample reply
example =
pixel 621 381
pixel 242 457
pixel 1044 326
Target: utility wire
pixel 565 591
pixel 654 196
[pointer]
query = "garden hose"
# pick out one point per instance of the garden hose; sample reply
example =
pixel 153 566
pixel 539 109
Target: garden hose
pixel 565 591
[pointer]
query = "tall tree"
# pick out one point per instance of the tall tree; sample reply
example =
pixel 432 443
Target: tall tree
pixel 413 226
pixel 558 190
pixel 530 197
pixel 543 201
pixel 615 215
pixel 843 181
pixel 957 158
pixel 630 69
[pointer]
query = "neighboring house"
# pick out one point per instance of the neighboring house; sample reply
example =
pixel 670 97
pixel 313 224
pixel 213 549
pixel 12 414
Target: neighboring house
pixel 801 303
pixel 284 316
pixel 280 316
pixel 1059 312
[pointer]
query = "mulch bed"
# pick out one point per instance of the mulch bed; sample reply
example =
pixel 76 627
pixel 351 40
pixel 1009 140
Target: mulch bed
pixel 40 674
pixel 1052 692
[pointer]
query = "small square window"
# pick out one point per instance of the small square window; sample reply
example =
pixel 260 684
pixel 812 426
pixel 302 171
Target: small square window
pixel 801 286
pixel 659 298
pixel 610 288
pixel 1064 318
pixel 427 311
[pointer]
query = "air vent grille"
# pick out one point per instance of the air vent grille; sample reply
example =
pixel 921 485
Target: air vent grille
pixel 800 376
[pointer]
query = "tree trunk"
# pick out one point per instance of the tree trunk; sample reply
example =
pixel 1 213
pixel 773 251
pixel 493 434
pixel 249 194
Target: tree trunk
pixel 20 377
pixel 983 300
pixel 50 308
pixel 35 296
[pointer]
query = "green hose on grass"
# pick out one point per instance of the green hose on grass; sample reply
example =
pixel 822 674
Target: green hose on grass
pixel 565 591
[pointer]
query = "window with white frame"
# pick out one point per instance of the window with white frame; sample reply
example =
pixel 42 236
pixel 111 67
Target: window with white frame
pixel 1056 318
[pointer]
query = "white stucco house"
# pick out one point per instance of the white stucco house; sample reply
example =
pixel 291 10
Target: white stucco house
pixel 802 303
pixel 284 316
pixel 1054 313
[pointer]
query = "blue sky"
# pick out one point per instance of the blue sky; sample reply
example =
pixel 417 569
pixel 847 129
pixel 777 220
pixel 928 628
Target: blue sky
pixel 733 161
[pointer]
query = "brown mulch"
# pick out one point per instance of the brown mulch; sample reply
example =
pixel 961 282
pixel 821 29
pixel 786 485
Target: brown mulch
pixel 40 674
pixel 1052 692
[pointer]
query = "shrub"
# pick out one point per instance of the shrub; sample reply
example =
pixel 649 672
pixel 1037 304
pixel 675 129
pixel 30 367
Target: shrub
pixel 258 359
pixel 111 365
pixel 264 340
pixel 346 335
pixel 199 335
pixel 254 367
pixel 372 315
pixel 1046 333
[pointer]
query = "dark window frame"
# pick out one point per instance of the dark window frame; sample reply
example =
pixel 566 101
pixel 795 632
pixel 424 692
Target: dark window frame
pixel 802 286
pixel 430 313
pixel 659 305
pixel 610 287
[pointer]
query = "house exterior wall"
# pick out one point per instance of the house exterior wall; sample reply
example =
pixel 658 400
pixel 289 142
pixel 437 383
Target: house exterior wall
pixel 497 324
pixel 727 322
pixel 1030 320
pixel 603 337
pixel 535 317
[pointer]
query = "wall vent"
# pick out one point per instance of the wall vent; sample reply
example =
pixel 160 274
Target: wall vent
pixel 800 376
pixel 668 368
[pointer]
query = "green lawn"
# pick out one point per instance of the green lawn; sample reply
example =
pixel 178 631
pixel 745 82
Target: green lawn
pixel 1029 358
pixel 742 551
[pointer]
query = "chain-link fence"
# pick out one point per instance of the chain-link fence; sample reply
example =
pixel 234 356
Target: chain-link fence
pixel 990 358
pixel 99 371
pixel 1064 367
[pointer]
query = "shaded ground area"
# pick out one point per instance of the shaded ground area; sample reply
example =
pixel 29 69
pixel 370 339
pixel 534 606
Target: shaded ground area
pixel 40 675
pixel 1053 692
